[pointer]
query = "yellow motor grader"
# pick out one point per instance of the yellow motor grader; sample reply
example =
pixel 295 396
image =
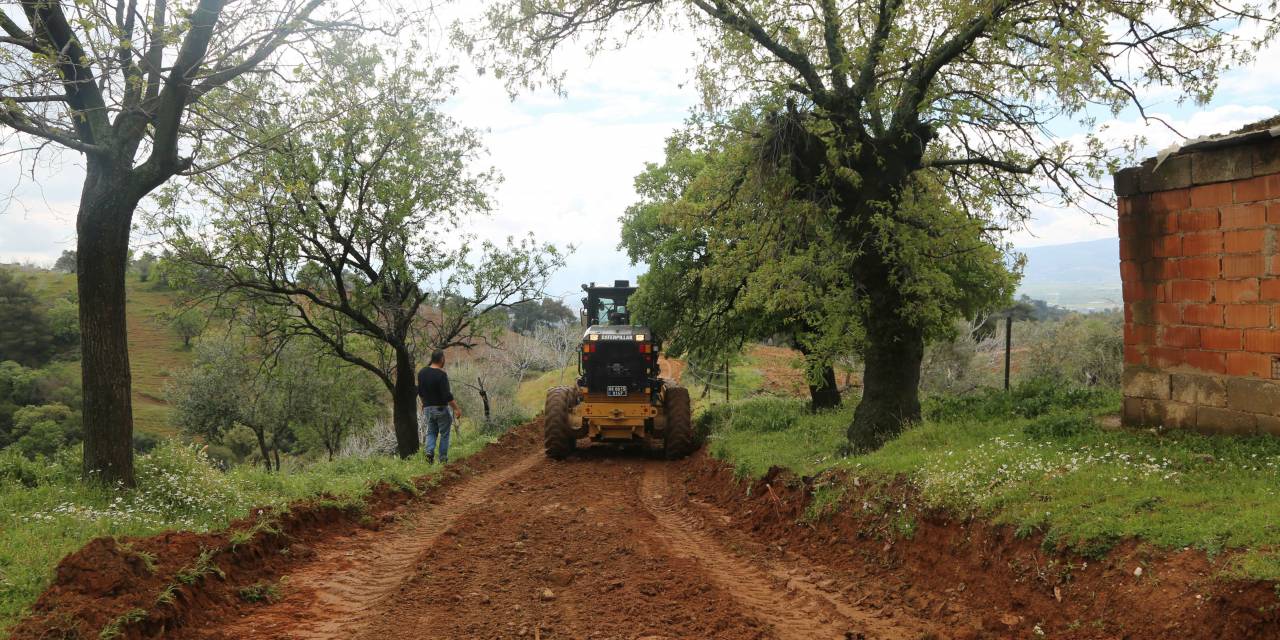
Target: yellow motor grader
pixel 619 396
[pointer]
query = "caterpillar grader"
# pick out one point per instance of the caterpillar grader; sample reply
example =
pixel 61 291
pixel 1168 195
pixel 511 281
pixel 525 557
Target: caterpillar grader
pixel 619 396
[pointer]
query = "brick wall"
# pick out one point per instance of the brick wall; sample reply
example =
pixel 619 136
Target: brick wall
pixel 1201 271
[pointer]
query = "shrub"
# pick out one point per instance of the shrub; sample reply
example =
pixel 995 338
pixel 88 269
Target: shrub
pixel 1059 424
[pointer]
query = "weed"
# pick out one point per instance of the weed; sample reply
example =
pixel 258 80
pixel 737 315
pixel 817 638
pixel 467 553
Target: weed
pixel 116 627
pixel 203 566
pixel 168 595
pixel 148 559
pixel 259 592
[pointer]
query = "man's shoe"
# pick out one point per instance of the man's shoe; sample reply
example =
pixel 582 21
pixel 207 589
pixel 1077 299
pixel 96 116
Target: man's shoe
pixel 431 458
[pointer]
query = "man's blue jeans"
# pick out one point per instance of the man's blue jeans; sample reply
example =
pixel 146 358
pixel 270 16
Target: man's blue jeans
pixel 438 422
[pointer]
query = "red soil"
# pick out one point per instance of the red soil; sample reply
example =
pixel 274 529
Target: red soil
pixel 612 544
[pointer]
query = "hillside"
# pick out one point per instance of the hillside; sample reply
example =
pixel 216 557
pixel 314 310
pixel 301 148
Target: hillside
pixel 154 351
pixel 1081 276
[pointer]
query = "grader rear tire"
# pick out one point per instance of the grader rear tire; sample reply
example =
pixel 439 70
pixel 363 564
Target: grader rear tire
pixel 557 435
pixel 678 440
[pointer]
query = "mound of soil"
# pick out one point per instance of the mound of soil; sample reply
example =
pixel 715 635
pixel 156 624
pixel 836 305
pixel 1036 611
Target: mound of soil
pixel 983 579
pixel 148 587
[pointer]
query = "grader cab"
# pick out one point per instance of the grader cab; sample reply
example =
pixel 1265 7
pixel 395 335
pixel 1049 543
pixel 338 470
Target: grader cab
pixel 619 396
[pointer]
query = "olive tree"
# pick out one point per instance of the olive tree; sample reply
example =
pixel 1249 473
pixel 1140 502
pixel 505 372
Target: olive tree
pixel 878 97
pixel 350 230
pixel 125 84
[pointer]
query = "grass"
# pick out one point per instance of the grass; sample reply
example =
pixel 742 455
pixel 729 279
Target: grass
pixel 154 350
pixel 1039 463
pixel 533 393
pixel 46 513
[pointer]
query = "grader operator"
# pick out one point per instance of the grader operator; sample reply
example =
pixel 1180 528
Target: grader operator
pixel 619 396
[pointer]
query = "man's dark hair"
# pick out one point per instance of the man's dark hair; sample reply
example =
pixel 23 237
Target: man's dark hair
pixel 437 356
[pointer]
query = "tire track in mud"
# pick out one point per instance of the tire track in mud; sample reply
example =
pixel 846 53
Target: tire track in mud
pixel 797 610
pixel 332 595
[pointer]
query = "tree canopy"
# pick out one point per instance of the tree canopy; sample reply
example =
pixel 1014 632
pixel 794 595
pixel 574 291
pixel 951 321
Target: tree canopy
pixel 351 230
pixel 876 107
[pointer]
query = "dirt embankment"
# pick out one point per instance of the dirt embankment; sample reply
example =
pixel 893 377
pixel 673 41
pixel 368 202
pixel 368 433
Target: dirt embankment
pixel 619 544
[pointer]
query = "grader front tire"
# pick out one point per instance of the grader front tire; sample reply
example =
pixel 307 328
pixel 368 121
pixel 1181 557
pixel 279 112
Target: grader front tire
pixel 678 441
pixel 557 435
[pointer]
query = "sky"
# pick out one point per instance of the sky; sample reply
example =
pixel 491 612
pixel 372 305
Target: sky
pixel 568 162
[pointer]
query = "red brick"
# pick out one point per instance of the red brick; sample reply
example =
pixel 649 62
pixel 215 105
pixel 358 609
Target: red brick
pixel 1134 205
pixel 1211 195
pixel 1262 341
pixel 1221 339
pixel 1133 355
pixel 1250 241
pixel 1251 190
pixel 1243 216
pixel 1242 363
pixel 1198 220
pixel 1273 213
pixel 1211 361
pixel 1248 315
pixel 1139 334
pixel 1244 266
pixel 1202 314
pixel 1167 314
pixel 1160 270
pixel 1207 268
pixel 1167 246
pixel 1166 201
pixel 1192 291
pixel 1270 289
pixel 1164 357
pixel 1202 244
pixel 1180 336
pixel 1236 291
pixel 1136 290
pixel 1130 270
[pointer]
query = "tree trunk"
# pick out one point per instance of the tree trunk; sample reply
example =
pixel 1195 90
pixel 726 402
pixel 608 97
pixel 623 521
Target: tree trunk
pixel 102 253
pixel 262 447
pixel 826 394
pixel 891 374
pixel 404 404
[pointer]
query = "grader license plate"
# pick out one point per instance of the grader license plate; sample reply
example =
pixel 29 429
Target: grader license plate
pixel 616 391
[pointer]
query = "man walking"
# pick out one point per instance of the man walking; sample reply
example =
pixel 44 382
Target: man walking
pixel 437 400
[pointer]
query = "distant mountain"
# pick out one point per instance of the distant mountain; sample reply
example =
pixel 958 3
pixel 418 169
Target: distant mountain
pixel 1079 275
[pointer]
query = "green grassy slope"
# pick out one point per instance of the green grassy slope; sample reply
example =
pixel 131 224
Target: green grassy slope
pixel 154 350
pixel 1058 474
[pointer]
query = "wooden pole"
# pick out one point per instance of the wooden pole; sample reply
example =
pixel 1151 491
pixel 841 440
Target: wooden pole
pixel 726 381
pixel 1008 347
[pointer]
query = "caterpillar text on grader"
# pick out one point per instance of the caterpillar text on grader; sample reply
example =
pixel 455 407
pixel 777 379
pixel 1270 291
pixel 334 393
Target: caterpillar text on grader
pixel 619 397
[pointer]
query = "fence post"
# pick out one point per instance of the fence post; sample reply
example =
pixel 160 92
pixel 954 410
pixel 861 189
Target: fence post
pixel 1008 347
pixel 726 381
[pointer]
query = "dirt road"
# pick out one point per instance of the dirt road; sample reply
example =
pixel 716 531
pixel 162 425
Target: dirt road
pixel 604 545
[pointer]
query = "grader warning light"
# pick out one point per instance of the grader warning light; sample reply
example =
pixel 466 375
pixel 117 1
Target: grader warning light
pixel 619 396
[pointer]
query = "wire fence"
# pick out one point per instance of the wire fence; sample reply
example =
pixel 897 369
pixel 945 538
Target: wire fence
pixel 715 383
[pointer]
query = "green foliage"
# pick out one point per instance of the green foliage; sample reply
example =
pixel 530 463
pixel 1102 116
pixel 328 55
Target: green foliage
pixel 66 262
pixel 116 627
pixel 1060 424
pixel 527 316
pixel 259 592
pixel 25 335
pixel 44 430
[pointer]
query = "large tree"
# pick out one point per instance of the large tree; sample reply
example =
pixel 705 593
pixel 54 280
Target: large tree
pixel 351 230
pixel 734 257
pixel 881 96
pixel 125 84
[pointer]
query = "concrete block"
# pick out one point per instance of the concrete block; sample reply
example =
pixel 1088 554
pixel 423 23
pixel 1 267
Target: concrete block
pixel 1173 173
pixel 1266 157
pixel 1190 388
pixel 1141 412
pixel 1254 396
pixel 1222 165
pixel 1139 382
pixel 1269 425
pixel 1176 415
pixel 1216 420
pixel 1126 182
